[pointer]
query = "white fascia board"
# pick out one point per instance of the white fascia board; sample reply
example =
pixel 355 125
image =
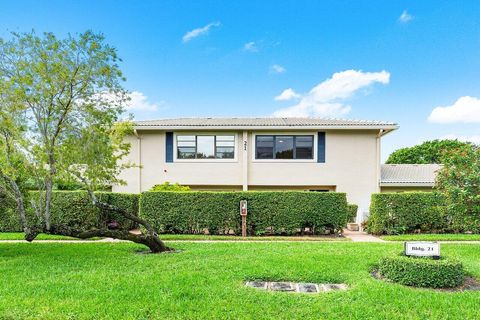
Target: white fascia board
pixel 387 128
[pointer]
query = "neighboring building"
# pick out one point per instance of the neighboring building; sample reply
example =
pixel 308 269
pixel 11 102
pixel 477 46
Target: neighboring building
pixel 259 154
pixel 408 177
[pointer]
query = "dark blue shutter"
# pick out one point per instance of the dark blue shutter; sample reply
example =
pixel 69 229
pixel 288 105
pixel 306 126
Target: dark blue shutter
pixel 168 146
pixel 321 147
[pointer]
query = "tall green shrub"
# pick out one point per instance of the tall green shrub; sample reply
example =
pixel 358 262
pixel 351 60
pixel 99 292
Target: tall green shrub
pixel 75 209
pixel 407 212
pixel 9 221
pixel 351 212
pixel 274 212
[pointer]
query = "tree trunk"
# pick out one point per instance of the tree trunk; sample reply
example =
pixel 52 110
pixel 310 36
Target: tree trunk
pixel 48 201
pixel 19 200
pixel 152 242
pixel 20 206
pixel 150 239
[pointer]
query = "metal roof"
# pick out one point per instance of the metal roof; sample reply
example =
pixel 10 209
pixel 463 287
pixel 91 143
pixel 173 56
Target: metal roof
pixel 262 123
pixel 409 174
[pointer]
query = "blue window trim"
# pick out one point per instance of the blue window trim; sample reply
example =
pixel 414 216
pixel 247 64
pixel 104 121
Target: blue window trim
pixel 168 146
pixel 321 147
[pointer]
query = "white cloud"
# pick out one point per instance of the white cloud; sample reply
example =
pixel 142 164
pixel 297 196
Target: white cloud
pixel 134 102
pixel 276 68
pixel 287 94
pixel 466 109
pixel 405 17
pixel 474 138
pixel 139 101
pixel 199 31
pixel 250 46
pixel 324 100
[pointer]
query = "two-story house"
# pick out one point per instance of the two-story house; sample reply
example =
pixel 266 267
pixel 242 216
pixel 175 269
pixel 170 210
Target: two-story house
pixel 260 154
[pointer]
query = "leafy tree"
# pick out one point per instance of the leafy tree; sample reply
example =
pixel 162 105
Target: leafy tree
pixel 459 182
pixel 60 106
pixel 167 186
pixel 427 152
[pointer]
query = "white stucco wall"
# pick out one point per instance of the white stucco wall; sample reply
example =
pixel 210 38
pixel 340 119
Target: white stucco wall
pixel 351 166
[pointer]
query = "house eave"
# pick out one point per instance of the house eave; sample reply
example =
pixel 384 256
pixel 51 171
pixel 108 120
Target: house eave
pixel 386 128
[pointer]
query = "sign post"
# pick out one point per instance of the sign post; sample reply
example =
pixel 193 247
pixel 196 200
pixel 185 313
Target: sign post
pixel 243 214
pixel 423 249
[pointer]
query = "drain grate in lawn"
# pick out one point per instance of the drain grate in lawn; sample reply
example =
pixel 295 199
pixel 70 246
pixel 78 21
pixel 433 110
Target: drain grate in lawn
pixel 299 287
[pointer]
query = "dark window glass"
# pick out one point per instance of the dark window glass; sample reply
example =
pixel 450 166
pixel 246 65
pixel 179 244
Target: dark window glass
pixel 284 147
pixel 304 147
pixel 225 152
pixel 186 153
pixel 264 147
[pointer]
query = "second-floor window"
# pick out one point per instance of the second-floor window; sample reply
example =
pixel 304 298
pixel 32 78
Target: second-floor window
pixel 206 146
pixel 284 147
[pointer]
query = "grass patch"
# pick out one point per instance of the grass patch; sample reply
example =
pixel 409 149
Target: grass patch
pixel 41 236
pixel 205 281
pixel 433 237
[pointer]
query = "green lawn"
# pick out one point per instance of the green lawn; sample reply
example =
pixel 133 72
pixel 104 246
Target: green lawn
pixel 42 236
pixel 205 281
pixel 433 237
pixel 179 237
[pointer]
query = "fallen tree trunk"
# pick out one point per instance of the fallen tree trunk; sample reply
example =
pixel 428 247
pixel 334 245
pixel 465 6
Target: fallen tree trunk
pixel 152 242
pixel 149 239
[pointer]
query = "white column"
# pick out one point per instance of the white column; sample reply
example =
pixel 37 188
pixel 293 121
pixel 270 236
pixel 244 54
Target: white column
pixel 139 161
pixel 245 161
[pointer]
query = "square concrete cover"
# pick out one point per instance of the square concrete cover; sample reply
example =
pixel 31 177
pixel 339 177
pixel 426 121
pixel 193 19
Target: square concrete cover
pixel 307 287
pixel 330 287
pixel 282 286
pixel 257 284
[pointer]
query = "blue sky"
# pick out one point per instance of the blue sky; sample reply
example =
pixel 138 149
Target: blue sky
pixel 380 60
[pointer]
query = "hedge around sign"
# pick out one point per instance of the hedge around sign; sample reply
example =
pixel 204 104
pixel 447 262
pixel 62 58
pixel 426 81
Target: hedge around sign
pixel 407 212
pixel 286 212
pixel 422 271
pixel 76 210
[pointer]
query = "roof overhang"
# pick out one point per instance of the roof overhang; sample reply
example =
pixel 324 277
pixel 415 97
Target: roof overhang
pixel 385 129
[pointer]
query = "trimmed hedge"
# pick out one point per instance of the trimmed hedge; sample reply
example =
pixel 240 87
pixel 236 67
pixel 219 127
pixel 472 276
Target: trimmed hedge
pixel 288 212
pixel 407 212
pixel 351 212
pixel 422 272
pixel 75 209
pixel 8 215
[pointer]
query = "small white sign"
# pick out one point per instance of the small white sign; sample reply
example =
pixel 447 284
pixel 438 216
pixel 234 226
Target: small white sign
pixel 422 249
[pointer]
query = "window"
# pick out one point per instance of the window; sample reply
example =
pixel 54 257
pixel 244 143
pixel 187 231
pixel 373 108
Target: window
pixel 205 146
pixel 284 147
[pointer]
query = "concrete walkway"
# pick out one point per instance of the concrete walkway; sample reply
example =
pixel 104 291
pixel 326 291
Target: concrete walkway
pixel 359 236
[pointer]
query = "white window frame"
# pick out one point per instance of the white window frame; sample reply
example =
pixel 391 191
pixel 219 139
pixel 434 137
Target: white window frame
pixel 197 133
pixel 253 142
